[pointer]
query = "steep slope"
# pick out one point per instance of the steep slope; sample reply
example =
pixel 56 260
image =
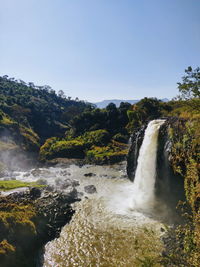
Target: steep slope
pixel 38 107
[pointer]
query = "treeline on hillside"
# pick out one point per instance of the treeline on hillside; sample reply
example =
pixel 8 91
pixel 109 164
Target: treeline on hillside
pixel 38 107
pixel 32 114
pixel 112 124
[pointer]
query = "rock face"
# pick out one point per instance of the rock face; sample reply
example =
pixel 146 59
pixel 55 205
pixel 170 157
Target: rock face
pixel 54 211
pixel 167 182
pixel 136 142
pixel 43 214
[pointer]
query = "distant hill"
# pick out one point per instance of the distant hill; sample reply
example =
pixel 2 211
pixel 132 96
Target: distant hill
pixel 104 103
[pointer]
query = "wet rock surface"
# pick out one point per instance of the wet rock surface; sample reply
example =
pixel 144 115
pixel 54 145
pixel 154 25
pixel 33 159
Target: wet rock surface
pixel 54 211
pixel 90 189
pixel 40 172
pixel 64 162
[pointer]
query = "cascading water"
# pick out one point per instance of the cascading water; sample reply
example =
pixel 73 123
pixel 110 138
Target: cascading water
pixel 144 183
pixel 120 224
pixel 104 230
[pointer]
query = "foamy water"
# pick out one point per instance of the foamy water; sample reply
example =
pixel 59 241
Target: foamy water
pixel 117 226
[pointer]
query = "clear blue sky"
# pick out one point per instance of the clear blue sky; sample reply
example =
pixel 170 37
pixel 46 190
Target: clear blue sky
pixel 100 49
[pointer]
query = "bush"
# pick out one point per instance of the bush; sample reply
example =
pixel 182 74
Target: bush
pixel 68 149
pixel 55 148
pixel 45 150
pixel 98 137
pixel 112 153
pixel 74 148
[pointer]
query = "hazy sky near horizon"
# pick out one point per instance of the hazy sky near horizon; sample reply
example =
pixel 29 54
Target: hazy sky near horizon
pixel 100 49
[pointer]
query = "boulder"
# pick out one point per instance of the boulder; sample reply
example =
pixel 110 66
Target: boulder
pixel 90 189
pixel 90 174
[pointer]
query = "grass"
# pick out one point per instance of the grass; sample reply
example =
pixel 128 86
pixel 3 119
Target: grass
pixel 6 120
pixel 13 184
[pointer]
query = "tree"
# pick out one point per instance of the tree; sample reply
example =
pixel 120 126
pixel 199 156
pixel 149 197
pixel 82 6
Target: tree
pixel 190 87
pixel 31 84
pixel 111 107
pixel 61 94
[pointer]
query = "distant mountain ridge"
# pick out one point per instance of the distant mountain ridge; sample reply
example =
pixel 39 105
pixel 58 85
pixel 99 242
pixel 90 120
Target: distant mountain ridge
pixel 104 103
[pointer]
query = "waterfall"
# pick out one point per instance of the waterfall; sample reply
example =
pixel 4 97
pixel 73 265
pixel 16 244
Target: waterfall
pixel 144 182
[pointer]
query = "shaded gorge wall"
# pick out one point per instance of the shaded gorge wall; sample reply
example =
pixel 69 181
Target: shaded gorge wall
pixel 169 187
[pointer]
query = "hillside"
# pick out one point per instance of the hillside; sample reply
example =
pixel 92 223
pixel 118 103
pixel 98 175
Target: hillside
pixel 37 108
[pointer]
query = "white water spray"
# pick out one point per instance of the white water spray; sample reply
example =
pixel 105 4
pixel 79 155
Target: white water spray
pixel 144 183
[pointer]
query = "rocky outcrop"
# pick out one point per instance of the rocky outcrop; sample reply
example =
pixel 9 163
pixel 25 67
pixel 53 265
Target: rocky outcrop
pixel 29 219
pixel 168 183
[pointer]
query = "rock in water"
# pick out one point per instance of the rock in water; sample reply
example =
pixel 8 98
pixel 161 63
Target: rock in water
pixel 90 189
pixel 90 174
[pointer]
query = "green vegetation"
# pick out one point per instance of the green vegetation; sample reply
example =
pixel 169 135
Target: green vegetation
pixel 95 146
pixel 32 115
pixel 184 134
pixel 98 137
pixel 112 119
pixel 16 135
pixel 112 153
pixel 37 108
pixel 190 86
pixel 145 110
pixel 93 132
pixel 12 184
pixel 185 159
pixel 17 231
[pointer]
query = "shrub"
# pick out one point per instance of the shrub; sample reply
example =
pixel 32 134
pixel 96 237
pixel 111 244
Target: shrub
pixel 45 150
pixel 112 153
pixel 68 149
pixel 98 137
